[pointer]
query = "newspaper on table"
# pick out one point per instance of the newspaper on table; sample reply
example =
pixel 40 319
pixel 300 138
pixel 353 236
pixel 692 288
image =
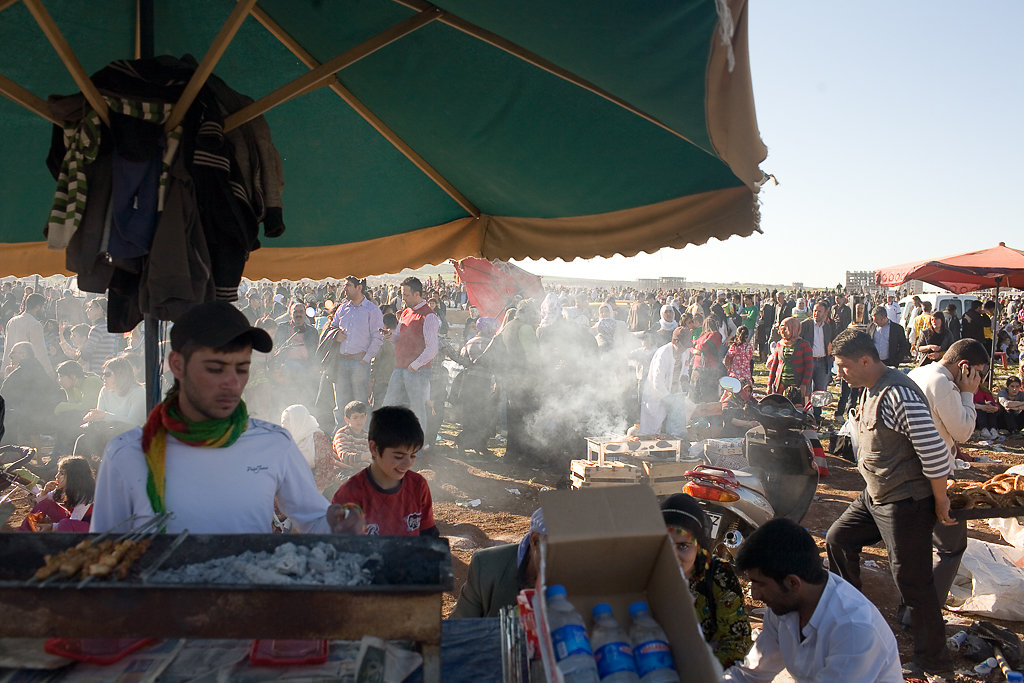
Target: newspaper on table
pixel 382 662
pixel 144 666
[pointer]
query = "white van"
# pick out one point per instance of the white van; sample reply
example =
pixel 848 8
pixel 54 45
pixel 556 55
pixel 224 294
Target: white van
pixel 939 302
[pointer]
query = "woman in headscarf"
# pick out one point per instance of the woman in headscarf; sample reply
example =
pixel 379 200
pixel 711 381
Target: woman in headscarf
pixel 306 433
pixel 550 309
pixel 708 352
pixel 666 325
pixel 803 309
pixel 791 364
pixel 717 594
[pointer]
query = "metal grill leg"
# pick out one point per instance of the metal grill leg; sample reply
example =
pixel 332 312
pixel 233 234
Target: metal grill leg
pixel 431 663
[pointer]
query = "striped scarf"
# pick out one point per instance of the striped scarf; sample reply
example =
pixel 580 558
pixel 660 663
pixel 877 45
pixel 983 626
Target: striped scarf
pixel 82 144
pixel 166 419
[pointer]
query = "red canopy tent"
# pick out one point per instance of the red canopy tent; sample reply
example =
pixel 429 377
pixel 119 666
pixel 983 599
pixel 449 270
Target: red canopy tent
pixel 997 267
pixel 492 285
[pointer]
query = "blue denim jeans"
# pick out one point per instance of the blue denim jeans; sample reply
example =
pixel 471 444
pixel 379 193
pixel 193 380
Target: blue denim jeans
pixel 351 383
pixel 410 389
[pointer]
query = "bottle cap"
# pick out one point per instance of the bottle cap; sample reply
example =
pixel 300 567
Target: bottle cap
pixel 602 608
pixel 637 607
pixel 552 591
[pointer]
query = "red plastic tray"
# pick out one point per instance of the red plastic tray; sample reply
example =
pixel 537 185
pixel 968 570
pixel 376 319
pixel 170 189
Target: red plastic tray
pixel 265 652
pixel 96 650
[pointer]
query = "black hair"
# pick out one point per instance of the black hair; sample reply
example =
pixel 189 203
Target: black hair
pixel 990 304
pixel 71 368
pixel 683 511
pixel 79 482
pixel 854 344
pixel 394 426
pixel 970 350
pixel 1011 379
pixel 390 321
pixel 353 407
pixel 414 284
pixel 33 300
pixel 782 547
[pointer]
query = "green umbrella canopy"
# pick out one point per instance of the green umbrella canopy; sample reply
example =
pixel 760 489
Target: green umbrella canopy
pixel 503 130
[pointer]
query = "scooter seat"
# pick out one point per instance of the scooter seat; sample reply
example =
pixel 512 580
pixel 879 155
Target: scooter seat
pixel 750 481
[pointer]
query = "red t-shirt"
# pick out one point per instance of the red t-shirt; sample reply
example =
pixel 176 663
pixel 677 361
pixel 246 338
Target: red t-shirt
pixel 405 511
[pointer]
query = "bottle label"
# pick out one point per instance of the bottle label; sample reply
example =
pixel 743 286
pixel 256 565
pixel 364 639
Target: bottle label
pixel 570 640
pixel 653 655
pixel 614 657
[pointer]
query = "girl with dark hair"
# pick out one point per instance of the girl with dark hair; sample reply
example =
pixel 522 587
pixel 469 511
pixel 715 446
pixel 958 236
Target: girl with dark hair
pixel 67 503
pixel 717 594
pixel 739 356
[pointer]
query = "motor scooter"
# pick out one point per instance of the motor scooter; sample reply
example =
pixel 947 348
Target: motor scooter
pixel 780 475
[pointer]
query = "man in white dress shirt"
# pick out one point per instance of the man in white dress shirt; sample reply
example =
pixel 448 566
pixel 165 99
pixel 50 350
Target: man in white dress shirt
pixel 817 626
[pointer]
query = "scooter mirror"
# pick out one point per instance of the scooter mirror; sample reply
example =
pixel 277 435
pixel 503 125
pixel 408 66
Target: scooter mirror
pixel 820 399
pixel 730 384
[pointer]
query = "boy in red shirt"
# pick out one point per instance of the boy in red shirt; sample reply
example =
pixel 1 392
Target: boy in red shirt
pixel 395 501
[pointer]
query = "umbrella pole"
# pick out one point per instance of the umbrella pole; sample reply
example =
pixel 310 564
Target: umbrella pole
pixel 992 351
pixel 150 325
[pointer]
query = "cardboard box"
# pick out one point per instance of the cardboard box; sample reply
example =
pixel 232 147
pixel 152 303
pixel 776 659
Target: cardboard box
pixel 732 446
pixel 666 478
pixel 610 545
pixel 586 474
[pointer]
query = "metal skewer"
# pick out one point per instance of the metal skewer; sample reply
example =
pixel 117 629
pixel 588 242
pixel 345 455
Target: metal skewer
pixel 151 569
pixel 150 528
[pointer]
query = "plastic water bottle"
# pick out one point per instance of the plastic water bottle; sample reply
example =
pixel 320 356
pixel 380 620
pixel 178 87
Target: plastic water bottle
pixel 650 647
pixel 612 650
pixel 986 667
pixel 956 640
pixel 568 635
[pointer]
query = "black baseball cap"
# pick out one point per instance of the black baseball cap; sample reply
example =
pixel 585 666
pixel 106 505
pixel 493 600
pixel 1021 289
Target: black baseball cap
pixel 216 324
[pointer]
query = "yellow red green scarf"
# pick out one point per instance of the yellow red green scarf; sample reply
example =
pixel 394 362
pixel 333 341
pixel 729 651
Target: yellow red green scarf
pixel 166 419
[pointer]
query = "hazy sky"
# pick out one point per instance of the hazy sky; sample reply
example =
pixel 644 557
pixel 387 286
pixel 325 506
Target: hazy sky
pixel 895 132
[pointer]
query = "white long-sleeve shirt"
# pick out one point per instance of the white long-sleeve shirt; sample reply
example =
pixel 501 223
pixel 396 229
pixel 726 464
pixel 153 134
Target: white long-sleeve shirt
pixel 953 410
pixel 212 490
pixel 846 641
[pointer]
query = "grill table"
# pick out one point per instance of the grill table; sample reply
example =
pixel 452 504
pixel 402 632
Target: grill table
pixel 403 602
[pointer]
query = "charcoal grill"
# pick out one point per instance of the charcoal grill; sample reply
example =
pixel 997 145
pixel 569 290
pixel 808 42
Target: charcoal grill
pixel 402 602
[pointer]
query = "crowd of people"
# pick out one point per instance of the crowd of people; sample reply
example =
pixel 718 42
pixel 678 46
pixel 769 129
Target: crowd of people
pixel 331 393
pixel 544 374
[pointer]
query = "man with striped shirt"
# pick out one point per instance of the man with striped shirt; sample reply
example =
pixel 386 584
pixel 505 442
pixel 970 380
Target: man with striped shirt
pixel 904 462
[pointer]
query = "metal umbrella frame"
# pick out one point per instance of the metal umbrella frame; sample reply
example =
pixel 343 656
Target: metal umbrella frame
pixel 613 127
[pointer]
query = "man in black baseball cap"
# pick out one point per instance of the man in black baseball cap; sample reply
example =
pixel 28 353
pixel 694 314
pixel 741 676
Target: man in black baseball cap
pixel 200 456
pixel 217 324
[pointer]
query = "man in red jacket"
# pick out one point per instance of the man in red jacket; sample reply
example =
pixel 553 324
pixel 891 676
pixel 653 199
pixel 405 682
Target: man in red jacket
pixel 415 348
